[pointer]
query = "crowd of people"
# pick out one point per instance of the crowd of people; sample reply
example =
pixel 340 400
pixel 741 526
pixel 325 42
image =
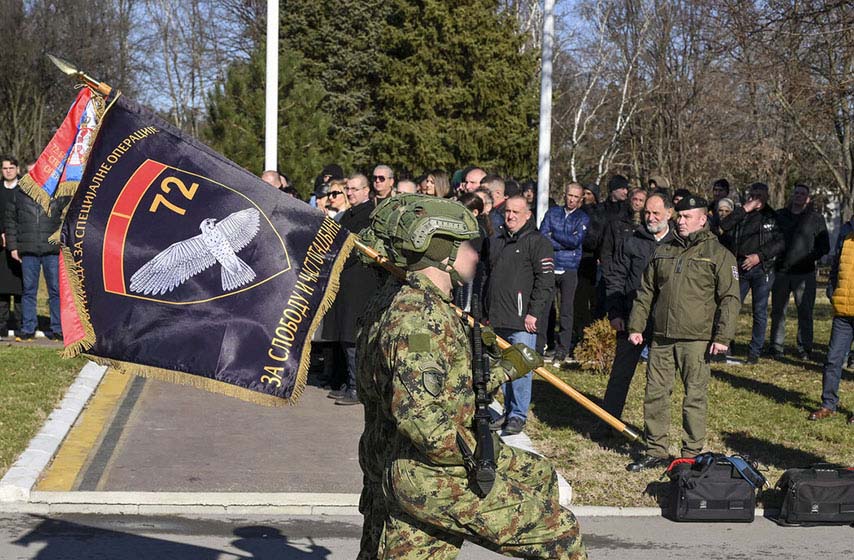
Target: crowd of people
pixel 668 268
pixel 624 257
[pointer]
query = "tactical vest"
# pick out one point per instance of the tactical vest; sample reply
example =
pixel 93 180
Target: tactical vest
pixel 843 295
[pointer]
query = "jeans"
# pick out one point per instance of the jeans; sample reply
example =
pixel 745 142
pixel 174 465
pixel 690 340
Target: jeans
pixel 566 284
pixel 759 282
pixel 841 335
pixel 30 266
pixel 803 286
pixel 517 395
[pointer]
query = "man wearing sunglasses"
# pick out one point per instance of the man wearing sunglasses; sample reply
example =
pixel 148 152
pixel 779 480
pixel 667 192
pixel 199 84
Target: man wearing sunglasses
pixel 383 182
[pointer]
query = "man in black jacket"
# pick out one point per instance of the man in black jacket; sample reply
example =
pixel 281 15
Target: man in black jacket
pixel 756 242
pixel 620 226
pixel 521 288
pixel 358 283
pixel 10 269
pixel 27 231
pixel 805 234
pixel 622 280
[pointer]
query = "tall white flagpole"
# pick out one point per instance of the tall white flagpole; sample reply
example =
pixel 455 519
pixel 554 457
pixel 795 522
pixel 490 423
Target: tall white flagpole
pixel 271 104
pixel 544 156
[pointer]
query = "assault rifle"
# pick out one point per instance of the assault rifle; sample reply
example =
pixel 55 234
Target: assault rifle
pixel 481 464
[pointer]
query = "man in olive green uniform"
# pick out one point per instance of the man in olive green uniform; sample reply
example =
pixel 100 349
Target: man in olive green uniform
pixel 691 289
pixel 415 380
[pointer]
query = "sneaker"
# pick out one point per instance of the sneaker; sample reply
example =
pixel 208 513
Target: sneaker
pixel 558 359
pixel 350 397
pixel 25 337
pixel 647 462
pixel 498 424
pixel 804 355
pixel 774 354
pixel 752 360
pixel 514 426
pixel 337 393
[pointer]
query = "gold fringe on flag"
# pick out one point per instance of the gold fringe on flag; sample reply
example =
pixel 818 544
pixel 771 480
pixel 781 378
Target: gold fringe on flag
pixel 75 282
pixel 34 191
pixel 190 380
pixel 328 298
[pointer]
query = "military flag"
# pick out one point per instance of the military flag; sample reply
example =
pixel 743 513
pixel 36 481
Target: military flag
pixel 181 265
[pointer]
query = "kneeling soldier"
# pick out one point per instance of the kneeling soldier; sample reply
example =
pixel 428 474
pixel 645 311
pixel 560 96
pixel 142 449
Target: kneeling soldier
pixel 415 380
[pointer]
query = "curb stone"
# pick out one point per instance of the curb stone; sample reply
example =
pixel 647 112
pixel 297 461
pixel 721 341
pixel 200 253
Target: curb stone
pixel 19 480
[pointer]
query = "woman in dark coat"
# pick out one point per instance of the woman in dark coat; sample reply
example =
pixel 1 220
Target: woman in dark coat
pixel 10 271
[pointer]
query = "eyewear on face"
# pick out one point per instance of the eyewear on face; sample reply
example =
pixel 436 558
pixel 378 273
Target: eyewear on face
pixel 333 194
pixel 380 178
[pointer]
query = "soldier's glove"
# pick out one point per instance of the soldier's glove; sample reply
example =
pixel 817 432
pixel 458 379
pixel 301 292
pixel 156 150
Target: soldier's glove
pixel 518 360
pixel 489 339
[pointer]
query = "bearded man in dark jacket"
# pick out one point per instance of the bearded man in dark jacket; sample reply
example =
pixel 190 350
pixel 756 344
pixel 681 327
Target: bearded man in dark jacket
pixel 805 234
pixel 622 280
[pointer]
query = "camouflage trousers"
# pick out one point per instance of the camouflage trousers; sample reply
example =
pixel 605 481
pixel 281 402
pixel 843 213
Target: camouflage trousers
pixel 431 511
pixel 374 512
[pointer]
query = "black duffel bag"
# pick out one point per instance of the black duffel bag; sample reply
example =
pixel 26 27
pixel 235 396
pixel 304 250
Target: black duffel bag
pixel 820 495
pixel 713 487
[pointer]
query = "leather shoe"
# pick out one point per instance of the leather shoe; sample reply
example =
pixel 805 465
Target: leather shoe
pixel 821 414
pixel 514 426
pixel 647 462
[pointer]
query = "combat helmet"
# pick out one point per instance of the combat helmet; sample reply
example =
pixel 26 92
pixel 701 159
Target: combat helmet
pixel 415 231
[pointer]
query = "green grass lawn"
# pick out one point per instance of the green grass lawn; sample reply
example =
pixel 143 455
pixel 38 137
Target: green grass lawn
pixel 33 379
pixel 758 411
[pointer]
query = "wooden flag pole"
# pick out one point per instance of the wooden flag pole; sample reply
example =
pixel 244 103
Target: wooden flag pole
pixel 630 432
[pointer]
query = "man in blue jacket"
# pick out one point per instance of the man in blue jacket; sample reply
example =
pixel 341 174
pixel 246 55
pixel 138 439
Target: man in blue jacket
pixel 565 227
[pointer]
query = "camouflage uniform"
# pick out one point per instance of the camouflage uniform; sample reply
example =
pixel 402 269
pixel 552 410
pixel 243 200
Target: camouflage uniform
pixel 414 378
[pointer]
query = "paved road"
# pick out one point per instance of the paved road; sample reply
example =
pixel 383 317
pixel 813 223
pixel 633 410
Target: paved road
pixel 75 537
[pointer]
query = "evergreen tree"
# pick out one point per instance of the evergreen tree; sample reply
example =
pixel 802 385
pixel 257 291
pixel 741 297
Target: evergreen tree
pixel 340 44
pixel 459 89
pixel 236 120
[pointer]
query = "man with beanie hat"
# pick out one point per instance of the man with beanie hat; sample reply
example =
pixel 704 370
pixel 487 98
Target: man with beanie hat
pixel 690 289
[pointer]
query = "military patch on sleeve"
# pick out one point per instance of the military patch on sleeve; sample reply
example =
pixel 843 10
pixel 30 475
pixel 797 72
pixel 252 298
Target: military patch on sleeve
pixel 433 379
pixel 735 272
pixel 419 342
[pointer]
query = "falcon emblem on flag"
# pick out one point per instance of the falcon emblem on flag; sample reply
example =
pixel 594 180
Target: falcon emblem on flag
pixel 219 242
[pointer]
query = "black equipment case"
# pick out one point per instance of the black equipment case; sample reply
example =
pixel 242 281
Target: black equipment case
pixel 712 489
pixel 819 495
